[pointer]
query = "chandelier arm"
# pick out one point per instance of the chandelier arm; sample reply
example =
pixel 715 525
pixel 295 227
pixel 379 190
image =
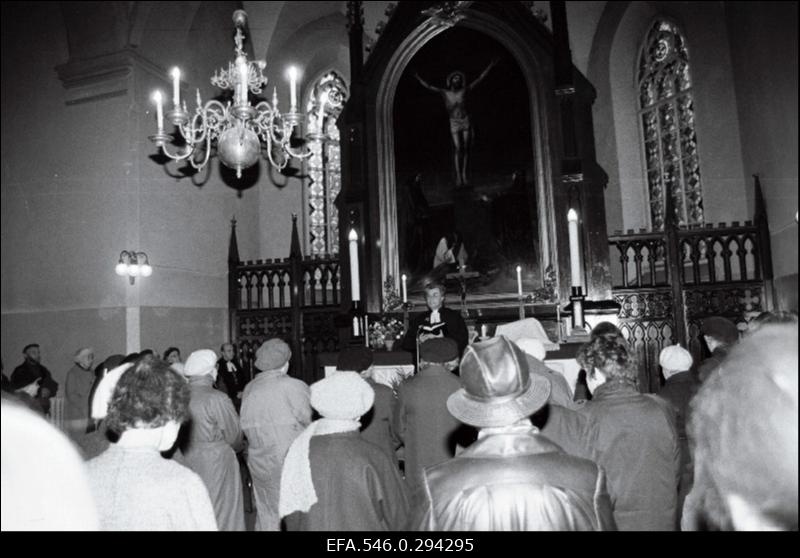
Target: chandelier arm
pixel 205 159
pixel 178 156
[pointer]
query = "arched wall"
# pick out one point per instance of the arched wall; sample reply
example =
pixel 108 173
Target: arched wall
pixel 527 58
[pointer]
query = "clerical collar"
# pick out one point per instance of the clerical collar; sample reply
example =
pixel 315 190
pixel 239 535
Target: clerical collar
pixel 435 317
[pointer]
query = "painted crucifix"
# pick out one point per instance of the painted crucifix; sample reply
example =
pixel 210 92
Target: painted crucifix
pixel 461 129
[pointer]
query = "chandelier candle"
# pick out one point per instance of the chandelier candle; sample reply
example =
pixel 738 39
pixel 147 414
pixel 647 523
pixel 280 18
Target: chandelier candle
pixel 241 64
pixel 292 89
pixel 354 283
pixel 176 87
pixel 574 249
pixel 159 112
pixel 405 292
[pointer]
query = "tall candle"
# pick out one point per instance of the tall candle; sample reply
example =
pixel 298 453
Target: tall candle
pixel 354 284
pixel 274 98
pixel 519 280
pixel 405 292
pixel 176 87
pixel 159 111
pixel 293 89
pixel 574 250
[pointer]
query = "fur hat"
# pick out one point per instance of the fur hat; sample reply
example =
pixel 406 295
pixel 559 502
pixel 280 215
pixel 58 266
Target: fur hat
pixel 498 389
pixel 342 395
pixel 200 363
pixel 272 354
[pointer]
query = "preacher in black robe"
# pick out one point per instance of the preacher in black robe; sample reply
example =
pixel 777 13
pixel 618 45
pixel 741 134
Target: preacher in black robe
pixel 438 321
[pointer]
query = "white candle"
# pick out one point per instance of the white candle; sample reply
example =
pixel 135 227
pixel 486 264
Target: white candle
pixel 321 116
pixel 159 111
pixel 574 250
pixel 519 280
pixel 176 87
pixel 274 99
pixel 293 89
pixel 354 284
pixel 243 71
pixel 405 292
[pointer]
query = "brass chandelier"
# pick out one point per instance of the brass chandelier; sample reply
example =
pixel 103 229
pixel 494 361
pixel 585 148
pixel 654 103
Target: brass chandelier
pixel 239 130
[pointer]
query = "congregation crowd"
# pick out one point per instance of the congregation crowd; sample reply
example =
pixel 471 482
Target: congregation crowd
pixel 482 438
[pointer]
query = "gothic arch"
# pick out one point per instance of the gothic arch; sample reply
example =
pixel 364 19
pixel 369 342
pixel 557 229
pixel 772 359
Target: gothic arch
pixel 380 107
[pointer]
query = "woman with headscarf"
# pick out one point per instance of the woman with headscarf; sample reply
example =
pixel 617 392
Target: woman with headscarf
pixel 332 478
pixel 136 489
pixel 213 439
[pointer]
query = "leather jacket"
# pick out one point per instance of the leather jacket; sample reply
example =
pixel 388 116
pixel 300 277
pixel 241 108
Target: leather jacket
pixel 516 480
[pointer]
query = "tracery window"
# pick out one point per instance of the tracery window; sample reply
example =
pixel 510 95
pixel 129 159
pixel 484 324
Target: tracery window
pixel 666 110
pixel 324 166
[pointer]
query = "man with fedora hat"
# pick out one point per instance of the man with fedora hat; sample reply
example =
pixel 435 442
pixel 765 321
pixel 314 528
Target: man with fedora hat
pixel 421 419
pixel 511 478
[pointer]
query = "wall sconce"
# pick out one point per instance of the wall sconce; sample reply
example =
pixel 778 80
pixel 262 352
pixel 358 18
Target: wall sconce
pixel 133 264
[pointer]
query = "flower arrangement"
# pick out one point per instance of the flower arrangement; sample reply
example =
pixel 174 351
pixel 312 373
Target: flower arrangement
pixel 384 332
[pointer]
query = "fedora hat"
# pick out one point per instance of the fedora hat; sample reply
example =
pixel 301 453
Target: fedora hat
pixel 497 387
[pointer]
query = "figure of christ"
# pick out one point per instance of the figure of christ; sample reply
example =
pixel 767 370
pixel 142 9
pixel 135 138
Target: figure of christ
pixel 461 129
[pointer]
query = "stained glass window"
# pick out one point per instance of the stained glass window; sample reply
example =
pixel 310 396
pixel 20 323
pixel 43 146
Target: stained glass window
pixel 324 166
pixel 666 113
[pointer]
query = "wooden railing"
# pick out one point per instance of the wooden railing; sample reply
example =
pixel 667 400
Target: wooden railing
pixel 667 282
pixel 296 299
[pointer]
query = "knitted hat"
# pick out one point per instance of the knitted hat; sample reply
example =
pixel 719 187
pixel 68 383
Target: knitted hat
pixel 674 359
pixel 342 395
pixel 200 363
pixel 440 349
pixel 272 354
pixel 354 359
pixel 533 347
pixel 721 329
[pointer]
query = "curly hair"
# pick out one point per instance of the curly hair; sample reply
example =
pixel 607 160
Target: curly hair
pixel 611 354
pixel 148 395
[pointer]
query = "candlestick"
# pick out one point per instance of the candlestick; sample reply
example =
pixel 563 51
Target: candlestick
pixel 405 292
pixel 293 89
pixel 176 87
pixel 159 111
pixel 354 283
pixel 519 280
pixel 574 250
